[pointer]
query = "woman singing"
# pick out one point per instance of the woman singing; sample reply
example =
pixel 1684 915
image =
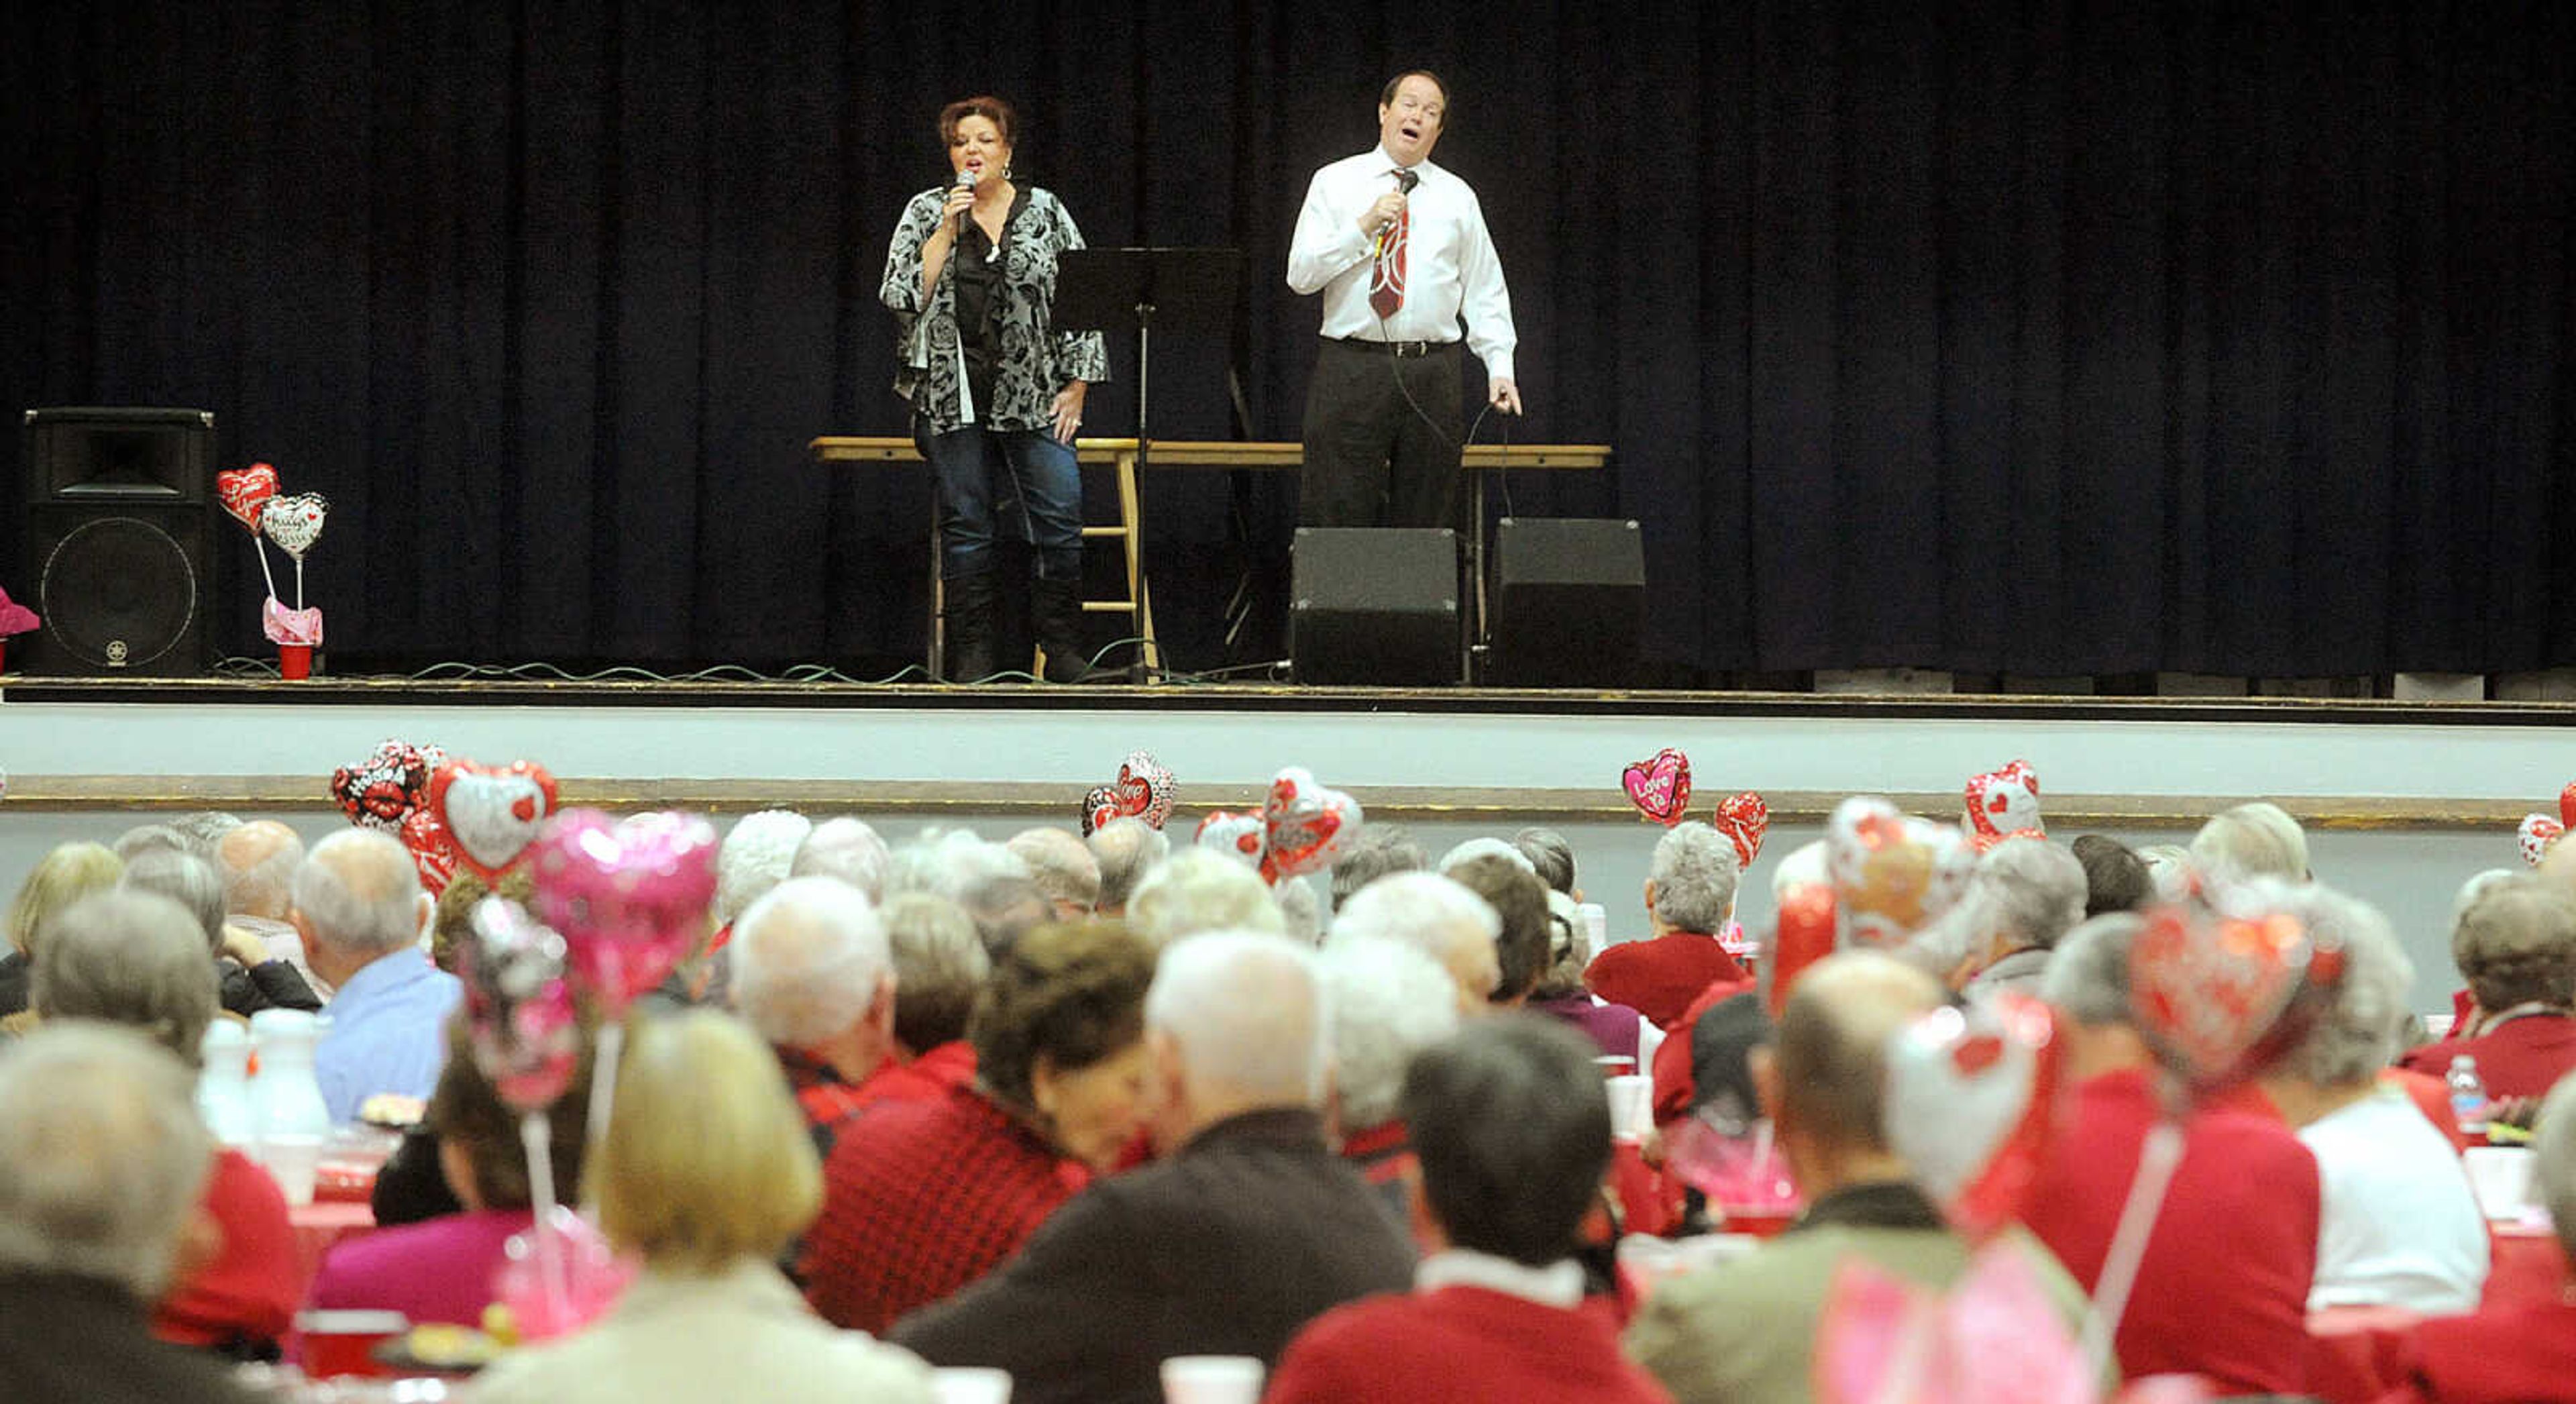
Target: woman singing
pixel 996 392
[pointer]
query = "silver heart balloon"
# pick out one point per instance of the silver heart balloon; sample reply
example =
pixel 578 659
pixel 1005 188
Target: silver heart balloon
pixel 294 523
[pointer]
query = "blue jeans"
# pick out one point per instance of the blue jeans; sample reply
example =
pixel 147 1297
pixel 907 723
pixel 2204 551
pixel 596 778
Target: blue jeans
pixel 1024 469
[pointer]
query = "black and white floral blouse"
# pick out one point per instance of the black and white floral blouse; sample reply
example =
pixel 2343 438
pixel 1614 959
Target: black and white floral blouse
pixel 1033 361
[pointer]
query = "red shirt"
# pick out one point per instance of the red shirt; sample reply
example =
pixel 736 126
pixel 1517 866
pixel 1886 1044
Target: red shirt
pixel 924 1079
pixel 1660 978
pixel 2223 1290
pixel 2522 1057
pixel 922 1198
pixel 2503 1355
pixel 1460 1345
pixel 250 1291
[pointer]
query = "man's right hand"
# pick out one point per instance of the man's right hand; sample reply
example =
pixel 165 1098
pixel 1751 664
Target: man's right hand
pixel 1381 214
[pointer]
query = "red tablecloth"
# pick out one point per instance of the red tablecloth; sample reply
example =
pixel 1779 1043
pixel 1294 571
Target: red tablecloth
pixel 2354 1353
pixel 1649 1200
pixel 2527 1266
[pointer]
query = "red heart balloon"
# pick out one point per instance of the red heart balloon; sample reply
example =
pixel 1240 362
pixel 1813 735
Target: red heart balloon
pixel 1972 1105
pixel 245 492
pixel 492 813
pixel 2001 802
pixel 1745 819
pixel 2221 997
pixel 382 790
pixel 1144 788
pixel 1305 824
pixel 1805 935
pixel 1660 787
pixel 1236 835
pixel 431 851
pixel 1099 807
pixel 2567 807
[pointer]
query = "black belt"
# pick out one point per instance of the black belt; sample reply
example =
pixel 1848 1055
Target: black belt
pixel 1401 350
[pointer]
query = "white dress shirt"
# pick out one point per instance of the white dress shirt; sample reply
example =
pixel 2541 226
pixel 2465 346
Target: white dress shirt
pixel 1559 1284
pixel 2399 1225
pixel 1450 268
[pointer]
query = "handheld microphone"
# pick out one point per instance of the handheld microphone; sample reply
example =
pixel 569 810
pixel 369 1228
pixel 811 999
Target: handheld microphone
pixel 1406 179
pixel 965 181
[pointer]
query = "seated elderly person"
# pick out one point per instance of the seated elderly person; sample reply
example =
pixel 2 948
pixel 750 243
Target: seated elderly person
pixel 812 973
pixel 359 908
pixel 1196 890
pixel 987 881
pixel 1389 1002
pixel 1248 1228
pixel 1519 900
pixel 1746 1329
pixel 1495 1311
pixel 755 856
pixel 940 968
pixel 846 848
pixel 1063 868
pixel 2398 1225
pixel 258 860
pixel 2511 1350
pixel 1551 857
pixel 443 1268
pixel 706 1173
pixel 1560 993
pixel 1125 849
pixel 2223 1289
pixel 67 873
pixel 2516 946
pixel 1376 851
pixel 2256 840
pixel 103 1163
pixel 2115 877
pixel 1436 916
pixel 924 1197
pixel 1690 896
pixel 139 959
pixel 251 979
pixel 2025 894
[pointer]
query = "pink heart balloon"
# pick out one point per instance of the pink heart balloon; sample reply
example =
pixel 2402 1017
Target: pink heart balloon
pixel 1660 787
pixel 519 1005
pixel 1972 1105
pixel 630 899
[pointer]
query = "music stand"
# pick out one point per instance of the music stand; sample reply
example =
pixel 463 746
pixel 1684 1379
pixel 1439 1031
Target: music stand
pixel 1108 290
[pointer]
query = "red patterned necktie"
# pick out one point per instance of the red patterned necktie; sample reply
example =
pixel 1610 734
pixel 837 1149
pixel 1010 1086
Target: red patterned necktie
pixel 1386 280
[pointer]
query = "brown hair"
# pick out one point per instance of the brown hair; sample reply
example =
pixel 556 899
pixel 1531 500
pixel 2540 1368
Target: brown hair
pixel 1386 96
pixel 451 920
pixel 992 109
pixel 1072 994
pixel 466 1111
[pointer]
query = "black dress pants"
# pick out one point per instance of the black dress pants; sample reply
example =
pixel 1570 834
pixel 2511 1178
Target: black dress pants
pixel 1381 437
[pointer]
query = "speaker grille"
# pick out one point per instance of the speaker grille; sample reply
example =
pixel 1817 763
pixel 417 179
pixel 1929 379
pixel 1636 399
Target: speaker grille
pixel 118 592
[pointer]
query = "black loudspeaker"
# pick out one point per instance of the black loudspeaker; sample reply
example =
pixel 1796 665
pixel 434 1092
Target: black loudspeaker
pixel 1569 596
pixel 1374 606
pixel 119 537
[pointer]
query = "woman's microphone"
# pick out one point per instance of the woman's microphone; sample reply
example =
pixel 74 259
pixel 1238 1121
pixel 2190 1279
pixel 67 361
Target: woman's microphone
pixel 965 181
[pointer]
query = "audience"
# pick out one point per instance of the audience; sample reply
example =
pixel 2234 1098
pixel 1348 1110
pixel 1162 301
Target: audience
pixel 923 1197
pixel 2115 877
pixel 1062 865
pixel 442 1269
pixel 1509 886
pixel 2026 893
pixel 1376 851
pixel 252 980
pixel 66 874
pixel 1551 857
pixel 1514 1136
pixel 940 967
pixel 1560 994
pixel 2251 841
pixel 359 907
pixel 706 1173
pixel 2397 1225
pixel 1438 917
pixel 812 973
pixel 1247 1229
pixel 1690 896
pixel 2223 1288
pixel 1196 890
pixel 1125 849
pixel 848 849
pixel 144 838
pixel 139 959
pixel 102 1166
pixel 258 859
pixel 2515 945
pixel 1746 1329
pixel 754 857
pixel 1389 1001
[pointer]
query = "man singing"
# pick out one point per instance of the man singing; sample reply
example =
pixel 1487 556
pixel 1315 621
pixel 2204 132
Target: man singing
pixel 1398 247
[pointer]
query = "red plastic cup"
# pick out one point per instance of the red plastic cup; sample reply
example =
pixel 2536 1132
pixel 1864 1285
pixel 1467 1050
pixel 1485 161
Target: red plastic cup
pixel 337 1343
pixel 1767 1221
pixel 295 661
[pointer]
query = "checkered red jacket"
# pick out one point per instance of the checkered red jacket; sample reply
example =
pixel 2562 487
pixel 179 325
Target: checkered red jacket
pixel 922 1198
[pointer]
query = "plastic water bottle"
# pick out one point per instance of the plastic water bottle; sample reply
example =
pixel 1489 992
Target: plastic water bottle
pixel 287 1101
pixel 2468 1097
pixel 223 1089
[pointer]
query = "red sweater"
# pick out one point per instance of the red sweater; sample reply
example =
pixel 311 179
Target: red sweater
pixel 2523 1057
pixel 1460 1345
pixel 922 1198
pixel 925 1079
pixel 2506 1355
pixel 251 1289
pixel 2223 1290
pixel 1661 977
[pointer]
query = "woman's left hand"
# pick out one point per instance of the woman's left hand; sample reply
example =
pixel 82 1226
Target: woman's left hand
pixel 1068 409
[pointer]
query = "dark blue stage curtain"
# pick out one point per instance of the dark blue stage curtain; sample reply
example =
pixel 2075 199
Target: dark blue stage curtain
pixel 2043 338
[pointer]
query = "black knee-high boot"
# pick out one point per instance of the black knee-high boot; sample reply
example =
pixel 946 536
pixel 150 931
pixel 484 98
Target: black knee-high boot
pixel 1055 609
pixel 971 607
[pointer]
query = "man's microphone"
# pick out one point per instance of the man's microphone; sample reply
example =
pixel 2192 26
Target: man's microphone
pixel 1405 180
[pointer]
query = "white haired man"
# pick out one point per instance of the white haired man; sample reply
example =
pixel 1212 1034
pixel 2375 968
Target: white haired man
pixel 755 856
pixel 1126 849
pixel 258 859
pixel 1690 896
pixel 845 848
pixel 103 1162
pixel 1437 916
pixel 359 906
pixel 2027 893
pixel 1246 1230
pixel 1389 1002
pixel 812 973
pixel 1195 891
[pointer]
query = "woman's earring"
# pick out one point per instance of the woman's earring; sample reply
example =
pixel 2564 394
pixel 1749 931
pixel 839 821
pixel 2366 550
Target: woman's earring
pixel 1006 172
